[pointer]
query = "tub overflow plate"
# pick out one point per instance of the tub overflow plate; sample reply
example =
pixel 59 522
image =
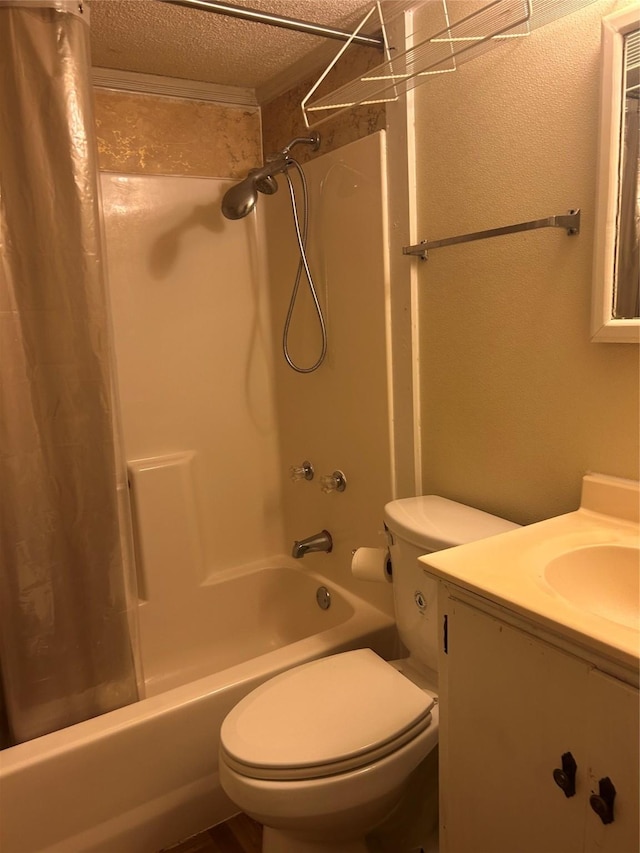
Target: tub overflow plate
pixel 323 597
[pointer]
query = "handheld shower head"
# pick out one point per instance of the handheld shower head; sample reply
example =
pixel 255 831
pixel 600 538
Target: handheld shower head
pixel 241 198
pixel 267 185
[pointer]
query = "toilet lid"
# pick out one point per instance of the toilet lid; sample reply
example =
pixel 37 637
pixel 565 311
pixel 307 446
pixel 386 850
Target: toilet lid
pixel 330 715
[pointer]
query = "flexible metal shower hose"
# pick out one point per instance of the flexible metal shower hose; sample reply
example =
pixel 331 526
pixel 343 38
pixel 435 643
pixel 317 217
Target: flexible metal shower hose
pixel 301 235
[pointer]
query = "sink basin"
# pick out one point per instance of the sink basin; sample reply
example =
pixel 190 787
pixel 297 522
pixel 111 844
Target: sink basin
pixel 603 579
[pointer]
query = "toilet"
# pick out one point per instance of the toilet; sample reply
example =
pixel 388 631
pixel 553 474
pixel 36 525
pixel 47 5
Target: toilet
pixel 321 754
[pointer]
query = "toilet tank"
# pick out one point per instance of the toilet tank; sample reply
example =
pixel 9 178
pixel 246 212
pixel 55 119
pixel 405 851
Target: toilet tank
pixel 418 526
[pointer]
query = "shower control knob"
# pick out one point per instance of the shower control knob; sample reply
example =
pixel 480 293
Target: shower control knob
pixel 301 472
pixel 335 482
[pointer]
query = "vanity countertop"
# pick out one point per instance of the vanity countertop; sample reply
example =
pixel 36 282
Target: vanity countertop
pixel 519 570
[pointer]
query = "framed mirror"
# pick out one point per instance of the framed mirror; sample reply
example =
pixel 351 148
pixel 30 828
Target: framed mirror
pixel 616 284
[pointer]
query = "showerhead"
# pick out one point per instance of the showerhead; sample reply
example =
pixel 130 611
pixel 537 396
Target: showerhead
pixel 241 198
pixel 267 185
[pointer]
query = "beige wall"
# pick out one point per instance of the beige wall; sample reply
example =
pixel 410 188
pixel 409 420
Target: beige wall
pixel 517 403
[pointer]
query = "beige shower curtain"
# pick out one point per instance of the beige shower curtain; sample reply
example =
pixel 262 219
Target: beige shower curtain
pixel 65 648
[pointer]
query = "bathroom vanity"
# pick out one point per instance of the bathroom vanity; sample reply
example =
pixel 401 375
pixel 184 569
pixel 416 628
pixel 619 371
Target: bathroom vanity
pixel 539 722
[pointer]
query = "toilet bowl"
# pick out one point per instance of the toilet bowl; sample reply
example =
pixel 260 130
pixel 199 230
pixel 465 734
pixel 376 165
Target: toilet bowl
pixel 322 754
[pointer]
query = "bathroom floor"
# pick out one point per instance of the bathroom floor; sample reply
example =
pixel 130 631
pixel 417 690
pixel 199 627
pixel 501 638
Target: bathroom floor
pixel 240 834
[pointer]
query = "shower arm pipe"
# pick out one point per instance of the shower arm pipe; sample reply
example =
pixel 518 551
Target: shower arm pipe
pixel 245 14
pixel 312 139
pixel 569 221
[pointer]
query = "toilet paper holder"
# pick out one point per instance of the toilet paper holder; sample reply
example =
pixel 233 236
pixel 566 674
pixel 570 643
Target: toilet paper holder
pixel 372 564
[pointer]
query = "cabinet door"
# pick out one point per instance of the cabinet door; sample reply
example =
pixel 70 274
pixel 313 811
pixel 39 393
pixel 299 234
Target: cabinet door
pixel 511 707
pixel 614 733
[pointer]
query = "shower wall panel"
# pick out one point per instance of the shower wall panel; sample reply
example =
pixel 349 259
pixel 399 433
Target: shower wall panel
pixel 194 354
pixel 338 417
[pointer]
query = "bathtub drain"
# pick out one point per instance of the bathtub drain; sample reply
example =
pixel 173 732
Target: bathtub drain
pixel 323 597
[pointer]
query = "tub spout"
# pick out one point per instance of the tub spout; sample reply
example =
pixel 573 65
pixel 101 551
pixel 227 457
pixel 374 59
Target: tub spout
pixel 318 542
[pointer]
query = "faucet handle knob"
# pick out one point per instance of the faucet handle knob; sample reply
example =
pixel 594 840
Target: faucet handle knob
pixel 301 472
pixel 335 482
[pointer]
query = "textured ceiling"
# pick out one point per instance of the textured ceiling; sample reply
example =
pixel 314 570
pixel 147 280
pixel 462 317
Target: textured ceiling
pixel 159 38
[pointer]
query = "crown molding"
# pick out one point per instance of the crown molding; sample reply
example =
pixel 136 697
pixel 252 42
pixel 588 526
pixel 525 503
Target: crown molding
pixel 172 87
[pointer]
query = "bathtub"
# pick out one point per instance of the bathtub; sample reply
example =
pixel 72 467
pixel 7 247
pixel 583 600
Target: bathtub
pixel 146 776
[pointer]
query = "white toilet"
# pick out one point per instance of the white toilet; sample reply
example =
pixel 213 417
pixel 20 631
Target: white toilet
pixel 321 754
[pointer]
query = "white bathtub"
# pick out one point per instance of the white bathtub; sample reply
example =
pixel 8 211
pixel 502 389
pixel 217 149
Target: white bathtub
pixel 146 776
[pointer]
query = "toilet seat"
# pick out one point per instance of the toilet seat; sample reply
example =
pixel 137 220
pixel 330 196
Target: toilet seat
pixel 325 717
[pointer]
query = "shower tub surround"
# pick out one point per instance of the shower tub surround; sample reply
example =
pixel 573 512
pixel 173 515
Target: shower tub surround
pixel 209 434
pixel 199 303
pixel 143 777
pixel 146 776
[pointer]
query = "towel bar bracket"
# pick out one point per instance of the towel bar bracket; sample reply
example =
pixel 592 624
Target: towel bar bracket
pixel 569 221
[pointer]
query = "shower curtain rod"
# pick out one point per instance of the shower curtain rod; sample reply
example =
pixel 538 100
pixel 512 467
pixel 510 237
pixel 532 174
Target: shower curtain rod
pixel 277 21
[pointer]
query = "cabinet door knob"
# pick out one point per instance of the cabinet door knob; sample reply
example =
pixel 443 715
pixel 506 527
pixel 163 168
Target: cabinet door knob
pixel 565 777
pixel 602 802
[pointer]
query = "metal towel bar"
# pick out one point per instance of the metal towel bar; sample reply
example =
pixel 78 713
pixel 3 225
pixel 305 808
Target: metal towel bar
pixel 570 221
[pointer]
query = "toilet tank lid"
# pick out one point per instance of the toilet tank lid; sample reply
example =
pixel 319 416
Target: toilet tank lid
pixel 433 523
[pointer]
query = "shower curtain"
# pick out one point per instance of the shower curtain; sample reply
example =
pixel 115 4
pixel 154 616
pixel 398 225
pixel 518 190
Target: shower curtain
pixel 65 647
